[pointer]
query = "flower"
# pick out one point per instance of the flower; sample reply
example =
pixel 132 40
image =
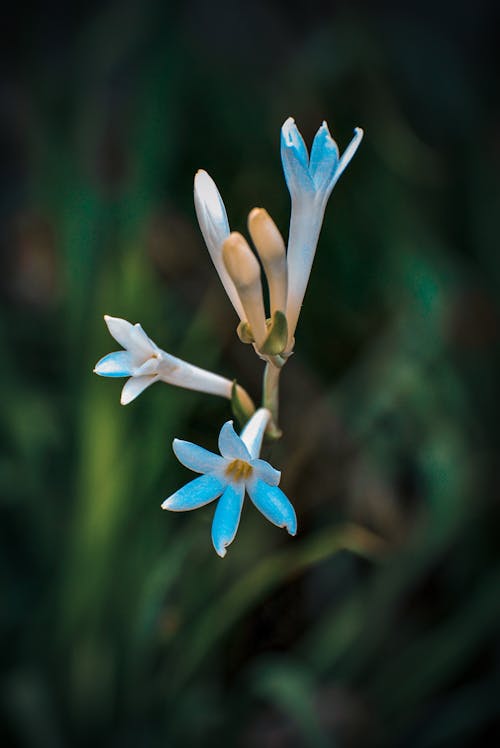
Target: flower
pixel 228 476
pixel 310 181
pixel 145 364
pixel 214 226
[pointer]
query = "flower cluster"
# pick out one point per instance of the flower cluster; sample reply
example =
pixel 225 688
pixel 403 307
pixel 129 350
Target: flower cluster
pixel 310 180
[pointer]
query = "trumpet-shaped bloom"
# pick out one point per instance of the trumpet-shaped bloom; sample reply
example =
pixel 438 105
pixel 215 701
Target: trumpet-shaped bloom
pixel 214 226
pixel 145 364
pixel 310 181
pixel 238 469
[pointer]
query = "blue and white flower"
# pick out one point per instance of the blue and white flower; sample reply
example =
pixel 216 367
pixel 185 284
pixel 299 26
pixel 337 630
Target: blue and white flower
pixel 310 181
pixel 238 469
pixel 145 364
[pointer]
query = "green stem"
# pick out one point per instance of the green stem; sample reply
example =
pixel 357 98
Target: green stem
pixel 270 398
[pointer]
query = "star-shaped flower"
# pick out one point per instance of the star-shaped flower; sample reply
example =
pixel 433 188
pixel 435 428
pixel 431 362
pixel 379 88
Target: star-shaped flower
pixel 145 364
pixel 237 469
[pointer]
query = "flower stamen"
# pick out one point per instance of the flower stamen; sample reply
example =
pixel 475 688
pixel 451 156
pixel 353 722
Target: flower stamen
pixel 238 470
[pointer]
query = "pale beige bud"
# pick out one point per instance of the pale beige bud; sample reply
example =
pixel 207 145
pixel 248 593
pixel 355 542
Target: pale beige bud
pixel 244 270
pixel 271 248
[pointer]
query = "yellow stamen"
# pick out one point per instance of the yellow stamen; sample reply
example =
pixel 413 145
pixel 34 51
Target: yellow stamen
pixel 239 470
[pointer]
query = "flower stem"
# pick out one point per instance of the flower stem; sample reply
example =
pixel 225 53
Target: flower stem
pixel 270 399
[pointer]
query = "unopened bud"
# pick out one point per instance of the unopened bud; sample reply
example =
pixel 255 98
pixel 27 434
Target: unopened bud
pixel 244 270
pixel 271 248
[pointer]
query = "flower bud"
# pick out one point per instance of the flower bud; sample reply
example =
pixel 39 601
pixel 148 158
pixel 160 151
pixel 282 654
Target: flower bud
pixel 271 248
pixel 244 270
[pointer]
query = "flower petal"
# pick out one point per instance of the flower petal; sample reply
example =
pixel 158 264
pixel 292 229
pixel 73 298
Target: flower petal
pixel 210 209
pixel 150 366
pixel 265 472
pixel 350 151
pixel 230 445
pixel 253 432
pixel 131 337
pixel 134 386
pixel 274 505
pixel 227 517
pixel 118 364
pixel 295 159
pixel 324 159
pixel 194 494
pixel 214 226
pixel 196 458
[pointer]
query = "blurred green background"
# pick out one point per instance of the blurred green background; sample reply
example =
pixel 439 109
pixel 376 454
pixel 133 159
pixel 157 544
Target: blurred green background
pixel 376 626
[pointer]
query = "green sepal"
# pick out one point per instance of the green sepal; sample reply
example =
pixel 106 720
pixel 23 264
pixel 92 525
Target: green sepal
pixel 242 411
pixel 273 432
pixel 244 332
pixel 276 340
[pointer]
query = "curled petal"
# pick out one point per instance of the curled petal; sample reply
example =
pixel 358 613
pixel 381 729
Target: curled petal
pixel 230 445
pixel 350 151
pixel 131 337
pixel 134 386
pixel 196 458
pixel 118 364
pixel 274 505
pixel 198 492
pixel 324 159
pixel 295 159
pixel 265 472
pixel 227 517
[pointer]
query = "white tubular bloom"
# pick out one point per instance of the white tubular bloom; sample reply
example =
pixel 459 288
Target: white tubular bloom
pixel 214 226
pixel 244 270
pixel 310 181
pixel 271 248
pixel 145 364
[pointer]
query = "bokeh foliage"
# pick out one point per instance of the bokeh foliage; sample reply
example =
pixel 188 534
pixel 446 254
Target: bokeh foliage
pixel 378 624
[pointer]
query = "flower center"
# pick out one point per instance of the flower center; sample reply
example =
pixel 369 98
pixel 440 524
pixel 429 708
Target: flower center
pixel 238 470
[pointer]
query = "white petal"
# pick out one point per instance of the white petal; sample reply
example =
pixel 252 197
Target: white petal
pixel 214 226
pixel 230 445
pixel 265 472
pixel 134 386
pixel 350 151
pixel 150 366
pixel 131 337
pixel 253 432
pixel 196 458
pixel 227 517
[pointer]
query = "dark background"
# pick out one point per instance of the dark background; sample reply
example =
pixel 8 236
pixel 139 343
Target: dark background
pixel 376 626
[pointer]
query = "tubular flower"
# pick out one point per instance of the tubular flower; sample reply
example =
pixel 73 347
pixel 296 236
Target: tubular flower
pixel 212 218
pixel 310 181
pixel 227 476
pixel 145 364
